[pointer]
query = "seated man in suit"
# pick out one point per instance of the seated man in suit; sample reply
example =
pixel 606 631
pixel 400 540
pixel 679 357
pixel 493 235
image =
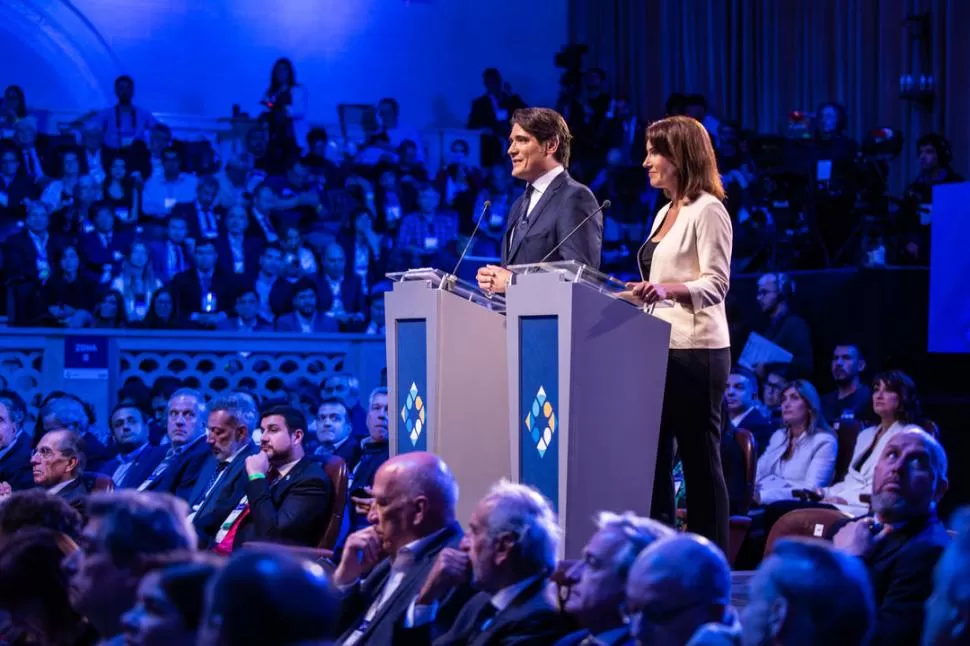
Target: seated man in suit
pixel 221 483
pixel 136 457
pixel 58 463
pixel 334 432
pixel 247 314
pixel 807 593
pixel 342 295
pixel 172 255
pixel 741 397
pixel 15 469
pixel 902 539
pixel 28 260
pixel 554 206
pixel 305 318
pixel 677 585
pixel 384 566
pixel 103 249
pixel 288 495
pixel 597 582
pixel 508 554
pixel 203 295
pixel 179 470
pixel 202 215
pixel 275 292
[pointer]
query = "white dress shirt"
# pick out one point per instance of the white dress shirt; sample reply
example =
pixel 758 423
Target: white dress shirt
pixel 540 186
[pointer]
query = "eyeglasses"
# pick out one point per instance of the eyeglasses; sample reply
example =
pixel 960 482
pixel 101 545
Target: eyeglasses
pixel 46 453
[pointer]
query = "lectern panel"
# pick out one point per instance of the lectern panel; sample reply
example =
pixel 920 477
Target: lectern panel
pixel 539 401
pixel 411 406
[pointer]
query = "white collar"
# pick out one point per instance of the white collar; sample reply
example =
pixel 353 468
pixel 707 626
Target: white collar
pixel 286 468
pixel 56 489
pixel 541 184
pixel 504 597
pixel 737 418
pixel 238 451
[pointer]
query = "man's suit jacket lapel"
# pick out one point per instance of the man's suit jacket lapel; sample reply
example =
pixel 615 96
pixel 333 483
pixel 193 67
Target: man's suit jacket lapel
pixel 232 471
pixel 143 466
pixel 541 205
pixel 523 603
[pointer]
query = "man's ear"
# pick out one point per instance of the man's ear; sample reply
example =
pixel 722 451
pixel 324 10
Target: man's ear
pixel 552 146
pixel 777 617
pixel 504 544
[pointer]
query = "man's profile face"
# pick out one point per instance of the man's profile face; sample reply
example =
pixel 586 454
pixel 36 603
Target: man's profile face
pixel 527 154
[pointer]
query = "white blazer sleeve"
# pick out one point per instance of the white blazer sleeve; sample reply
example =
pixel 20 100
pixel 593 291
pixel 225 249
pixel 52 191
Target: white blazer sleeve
pixel 714 240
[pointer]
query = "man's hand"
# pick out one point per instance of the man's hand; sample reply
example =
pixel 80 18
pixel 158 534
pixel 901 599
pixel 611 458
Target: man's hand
pixel 451 568
pixel 362 552
pixel 856 538
pixel 492 279
pixel 258 463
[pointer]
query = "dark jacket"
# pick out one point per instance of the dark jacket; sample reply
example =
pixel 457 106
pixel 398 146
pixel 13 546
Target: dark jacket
pixel 321 324
pixel 96 255
pixel 216 507
pixel 187 292
pixel 351 296
pixel 181 473
pixel 562 207
pixel 757 425
pixel 140 468
pixel 252 250
pixel 293 510
pixel 15 466
pixel 356 601
pixel 792 333
pixel 349 452
pixel 76 493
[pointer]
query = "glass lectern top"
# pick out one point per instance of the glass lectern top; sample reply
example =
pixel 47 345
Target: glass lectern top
pixel 576 272
pixel 438 279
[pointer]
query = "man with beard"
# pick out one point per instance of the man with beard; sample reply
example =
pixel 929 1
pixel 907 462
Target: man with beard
pixel 902 538
pixel 851 399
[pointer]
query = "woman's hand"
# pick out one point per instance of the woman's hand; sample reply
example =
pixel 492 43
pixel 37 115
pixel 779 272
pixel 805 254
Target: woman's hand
pixel 648 293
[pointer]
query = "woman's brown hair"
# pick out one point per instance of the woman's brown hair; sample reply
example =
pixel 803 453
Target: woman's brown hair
pixel 816 420
pixel 685 143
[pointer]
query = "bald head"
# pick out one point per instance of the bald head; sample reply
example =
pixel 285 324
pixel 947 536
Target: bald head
pixel 910 476
pixel 683 579
pixel 334 261
pixel 414 496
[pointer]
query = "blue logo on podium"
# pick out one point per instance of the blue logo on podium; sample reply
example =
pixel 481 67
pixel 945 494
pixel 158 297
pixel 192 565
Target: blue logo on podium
pixel 541 422
pixel 412 414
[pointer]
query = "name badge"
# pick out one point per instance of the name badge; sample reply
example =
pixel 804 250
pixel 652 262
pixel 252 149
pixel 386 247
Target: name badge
pixel 121 213
pixel 430 243
pixel 238 266
pixel 393 213
pixel 118 256
pixel 823 171
pixel 3 199
pixel 169 202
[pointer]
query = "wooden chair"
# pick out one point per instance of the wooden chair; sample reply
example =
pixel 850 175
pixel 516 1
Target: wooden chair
pixel 317 555
pixel 739 525
pixel 809 523
pixel 336 468
pixel 847 433
pixel 97 482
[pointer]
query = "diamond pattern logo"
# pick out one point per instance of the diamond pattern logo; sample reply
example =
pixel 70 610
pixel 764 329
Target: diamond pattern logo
pixel 413 415
pixel 540 423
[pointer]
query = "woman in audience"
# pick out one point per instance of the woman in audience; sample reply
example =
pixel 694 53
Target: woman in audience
pixel 169 604
pixel 286 103
pixel 110 311
pixel 119 190
pixel 161 314
pixel 802 454
pixel 59 193
pixel 14 109
pixel 895 402
pixel 69 294
pixel 298 260
pixel 137 282
pixel 34 591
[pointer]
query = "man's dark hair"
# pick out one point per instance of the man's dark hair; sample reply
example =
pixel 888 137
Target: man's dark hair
pixel 546 125
pixel 118 407
pixel 248 289
pixel 304 284
pixel 37 508
pixel 165 386
pixel 334 401
pixel 16 406
pixel 317 134
pixel 205 242
pixel 125 77
pixel 393 103
pixel 293 417
pixel 275 245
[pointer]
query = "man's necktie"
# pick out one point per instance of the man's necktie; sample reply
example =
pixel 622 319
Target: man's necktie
pixel 222 466
pixel 523 222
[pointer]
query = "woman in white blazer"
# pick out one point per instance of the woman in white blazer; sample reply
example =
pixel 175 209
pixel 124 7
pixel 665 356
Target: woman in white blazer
pixel 687 260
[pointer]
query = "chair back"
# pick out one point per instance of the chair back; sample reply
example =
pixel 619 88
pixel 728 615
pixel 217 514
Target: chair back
pixel 336 469
pixel 749 451
pixel 930 427
pixel 808 523
pixel 98 482
pixel 847 433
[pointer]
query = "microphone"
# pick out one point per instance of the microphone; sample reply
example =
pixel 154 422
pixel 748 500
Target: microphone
pixel 606 204
pixel 471 238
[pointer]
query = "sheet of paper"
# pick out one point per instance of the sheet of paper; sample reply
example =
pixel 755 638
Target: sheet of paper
pixel 760 350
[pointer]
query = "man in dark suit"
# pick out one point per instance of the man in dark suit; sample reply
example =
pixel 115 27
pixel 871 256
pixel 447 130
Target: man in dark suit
pixel 247 314
pixel 173 255
pixel 103 249
pixel 508 556
pixel 398 553
pixel 202 215
pixel 238 250
pixel 137 458
pixel 335 433
pixel 221 483
pixel 740 396
pixel 288 496
pixel 15 469
pixel 58 464
pixel 203 295
pixel 553 206
pixel 341 294
pixel 901 541
pixel 597 582
pixel 15 187
pixel 179 470
pixel 490 114
pixel 28 261
pixel 305 317
pixel 275 292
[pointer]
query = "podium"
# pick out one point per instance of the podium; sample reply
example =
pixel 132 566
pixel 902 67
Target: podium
pixel 448 378
pixel 586 386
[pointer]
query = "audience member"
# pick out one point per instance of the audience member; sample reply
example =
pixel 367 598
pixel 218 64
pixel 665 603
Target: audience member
pixel 677 585
pixel 851 399
pixel 124 122
pixel 58 463
pixel 807 593
pixel 288 496
pixel 334 433
pixel 902 539
pixel 173 255
pixel 124 528
pixel 305 318
pixel 782 327
pixel 342 295
pixel 274 291
pixel 508 555
pixel 596 584
pixel 37 508
pixel 347 387
pixel 268 598
pixel 238 251
pixel 384 566
pixel 741 396
pixel 204 294
pixel 162 192
pixel 374 452
pixel 221 483
pixel 247 314
pixel 202 215
pixel 948 608
pixel 137 458
pixel 15 449
pixel 179 470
